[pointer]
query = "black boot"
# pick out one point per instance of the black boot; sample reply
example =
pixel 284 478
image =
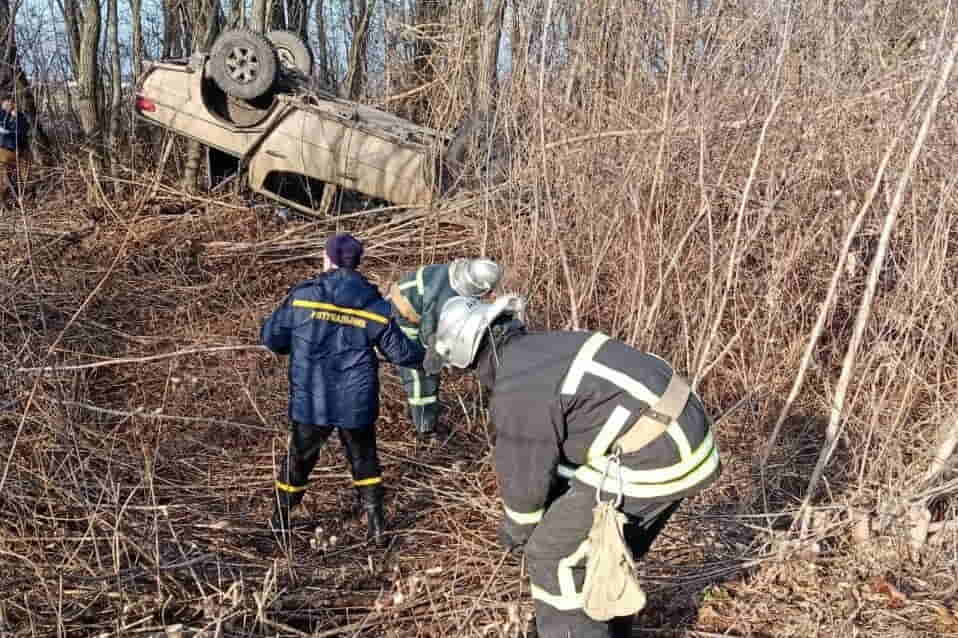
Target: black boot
pixel 372 496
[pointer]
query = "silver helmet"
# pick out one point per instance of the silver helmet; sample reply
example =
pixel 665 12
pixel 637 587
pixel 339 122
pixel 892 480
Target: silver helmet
pixel 474 277
pixel 462 323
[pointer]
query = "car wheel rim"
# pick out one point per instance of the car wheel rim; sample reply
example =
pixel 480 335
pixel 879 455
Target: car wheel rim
pixel 242 65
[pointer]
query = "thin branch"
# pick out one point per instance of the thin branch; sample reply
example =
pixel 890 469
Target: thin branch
pixel 127 360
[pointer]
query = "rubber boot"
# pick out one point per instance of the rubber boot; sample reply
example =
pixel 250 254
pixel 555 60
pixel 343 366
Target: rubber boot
pixel 372 496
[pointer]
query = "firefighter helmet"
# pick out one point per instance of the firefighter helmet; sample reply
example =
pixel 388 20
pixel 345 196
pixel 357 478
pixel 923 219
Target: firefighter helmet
pixel 462 323
pixel 474 277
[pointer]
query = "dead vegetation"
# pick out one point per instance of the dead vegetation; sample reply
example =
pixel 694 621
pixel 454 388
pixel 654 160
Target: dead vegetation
pixel 702 216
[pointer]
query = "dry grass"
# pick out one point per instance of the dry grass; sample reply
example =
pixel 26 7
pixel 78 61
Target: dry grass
pixel 701 217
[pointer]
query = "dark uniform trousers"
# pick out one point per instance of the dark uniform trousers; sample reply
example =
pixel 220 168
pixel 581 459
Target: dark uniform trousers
pixel 422 392
pixel 557 553
pixel 305 444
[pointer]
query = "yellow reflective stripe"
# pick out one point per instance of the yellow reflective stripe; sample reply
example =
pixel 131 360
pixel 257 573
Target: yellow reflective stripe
pixel 681 441
pixel 613 426
pixel 408 284
pixel 292 489
pixel 420 285
pixel 556 602
pixel 416 386
pixel 591 476
pixel 661 475
pixel 317 305
pixel 422 401
pixel 524 518
pixel 584 363
pixel 568 598
pixel 369 481
pixel 412 333
pixel 581 362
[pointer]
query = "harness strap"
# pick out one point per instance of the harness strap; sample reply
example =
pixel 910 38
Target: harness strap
pixel 656 419
pixel 403 306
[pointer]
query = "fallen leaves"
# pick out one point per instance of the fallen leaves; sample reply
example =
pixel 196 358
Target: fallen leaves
pixel 896 599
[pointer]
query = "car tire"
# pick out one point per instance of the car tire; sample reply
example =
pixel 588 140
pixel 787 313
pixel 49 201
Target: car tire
pixel 292 52
pixel 243 64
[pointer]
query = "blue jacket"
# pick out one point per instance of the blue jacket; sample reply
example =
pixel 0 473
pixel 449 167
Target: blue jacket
pixel 330 326
pixel 15 127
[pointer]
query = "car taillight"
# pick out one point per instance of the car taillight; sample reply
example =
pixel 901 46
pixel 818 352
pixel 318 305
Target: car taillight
pixel 144 104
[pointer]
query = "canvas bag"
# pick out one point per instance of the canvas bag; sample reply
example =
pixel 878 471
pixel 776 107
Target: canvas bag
pixel 611 588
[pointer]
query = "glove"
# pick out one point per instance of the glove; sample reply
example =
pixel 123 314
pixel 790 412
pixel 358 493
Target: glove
pixel 508 542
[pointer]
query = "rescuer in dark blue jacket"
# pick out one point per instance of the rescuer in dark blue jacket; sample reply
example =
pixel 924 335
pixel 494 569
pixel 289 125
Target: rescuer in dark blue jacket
pixel 330 327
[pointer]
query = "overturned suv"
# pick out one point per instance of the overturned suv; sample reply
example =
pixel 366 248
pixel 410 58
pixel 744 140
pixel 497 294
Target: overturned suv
pixel 252 102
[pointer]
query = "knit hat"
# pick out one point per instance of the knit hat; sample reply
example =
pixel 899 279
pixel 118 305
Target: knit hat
pixel 344 250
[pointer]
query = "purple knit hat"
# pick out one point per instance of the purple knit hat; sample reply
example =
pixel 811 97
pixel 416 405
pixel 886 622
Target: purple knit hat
pixel 344 250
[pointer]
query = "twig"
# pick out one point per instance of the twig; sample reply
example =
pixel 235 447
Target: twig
pixel 166 417
pixel 125 360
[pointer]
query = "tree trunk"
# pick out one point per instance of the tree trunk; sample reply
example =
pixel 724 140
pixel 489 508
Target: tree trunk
pixel 172 29
pixel 206 23
pixel 237 9
pixel 297 16
pixel 277 15
pixel 73 19
pixel 257 19
pixel 488 85
pixel 116 86
pixel 136 17
pixel 518 46
pixel 356 71
pixel 326 75
pixel 88 69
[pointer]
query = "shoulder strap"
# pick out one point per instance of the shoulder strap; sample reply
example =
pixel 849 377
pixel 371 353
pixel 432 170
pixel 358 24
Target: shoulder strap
pixel 656 419
pixel 402 305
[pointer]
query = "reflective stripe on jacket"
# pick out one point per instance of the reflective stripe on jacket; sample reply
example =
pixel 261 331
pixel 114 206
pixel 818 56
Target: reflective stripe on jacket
pixel 330 327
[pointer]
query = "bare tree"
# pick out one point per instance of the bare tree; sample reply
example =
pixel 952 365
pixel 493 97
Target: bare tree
pixel 116 81
pixel 488 63
pixel 297 16
pixel 136 17
pixel 326 74
pixel 258 15
pixel 206 19
pixel 356 70
pixel 173 29
pixel 86 15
